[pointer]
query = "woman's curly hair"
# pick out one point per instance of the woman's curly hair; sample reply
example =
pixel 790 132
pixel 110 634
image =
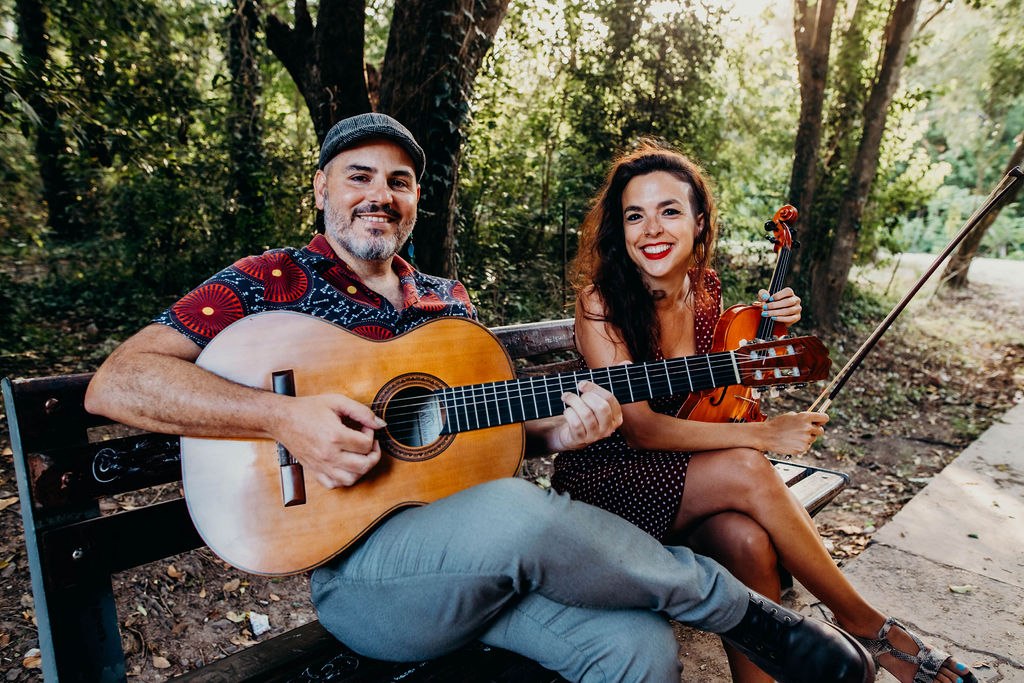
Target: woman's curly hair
pixel 602 260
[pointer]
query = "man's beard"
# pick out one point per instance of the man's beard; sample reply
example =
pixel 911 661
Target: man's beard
pixel 372 248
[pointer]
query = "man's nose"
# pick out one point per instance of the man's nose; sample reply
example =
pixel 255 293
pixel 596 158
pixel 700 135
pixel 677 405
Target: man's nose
pixel 380 193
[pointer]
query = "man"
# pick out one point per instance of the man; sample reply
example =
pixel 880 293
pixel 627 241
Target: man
pixel 578 589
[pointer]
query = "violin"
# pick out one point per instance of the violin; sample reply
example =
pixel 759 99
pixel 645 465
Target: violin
pixel 743 324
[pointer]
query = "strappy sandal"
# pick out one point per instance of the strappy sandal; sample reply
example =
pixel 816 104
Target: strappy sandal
pixel 928 659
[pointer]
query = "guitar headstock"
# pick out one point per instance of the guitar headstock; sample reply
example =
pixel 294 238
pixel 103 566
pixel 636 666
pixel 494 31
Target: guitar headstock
pixel 793 360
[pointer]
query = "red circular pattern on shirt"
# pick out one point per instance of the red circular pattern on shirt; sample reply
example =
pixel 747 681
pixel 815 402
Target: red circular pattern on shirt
pixel 429 302
pixel 251 266
pixel 373 332
pixel 283 279
pixel 208 309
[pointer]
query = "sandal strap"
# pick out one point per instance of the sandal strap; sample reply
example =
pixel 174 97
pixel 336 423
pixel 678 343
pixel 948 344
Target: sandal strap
pixel 928 659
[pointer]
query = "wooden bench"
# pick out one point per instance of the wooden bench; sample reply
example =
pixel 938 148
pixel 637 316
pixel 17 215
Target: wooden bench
pixel 66 461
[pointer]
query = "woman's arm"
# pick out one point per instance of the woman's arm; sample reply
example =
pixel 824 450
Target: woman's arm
pixel 601 345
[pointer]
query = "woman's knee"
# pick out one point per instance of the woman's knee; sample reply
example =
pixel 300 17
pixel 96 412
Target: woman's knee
pixel 737 542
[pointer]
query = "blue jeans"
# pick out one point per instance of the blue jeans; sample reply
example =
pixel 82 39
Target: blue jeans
pixel 572 586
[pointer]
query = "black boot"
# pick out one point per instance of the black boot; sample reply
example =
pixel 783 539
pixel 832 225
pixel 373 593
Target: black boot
pixel 793 648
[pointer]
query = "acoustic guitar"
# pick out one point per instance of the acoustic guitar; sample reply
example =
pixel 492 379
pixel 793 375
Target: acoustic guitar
pixel 454 411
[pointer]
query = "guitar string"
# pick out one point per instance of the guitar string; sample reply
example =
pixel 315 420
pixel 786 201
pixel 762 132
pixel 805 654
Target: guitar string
pixel 625 379
pixel 699 368
pixel 504 393
pixel 691 365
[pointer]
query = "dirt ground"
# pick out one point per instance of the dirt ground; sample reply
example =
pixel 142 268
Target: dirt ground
pixel 951 365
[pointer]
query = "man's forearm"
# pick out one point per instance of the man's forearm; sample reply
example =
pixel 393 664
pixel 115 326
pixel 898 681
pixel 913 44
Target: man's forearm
pixel 164 393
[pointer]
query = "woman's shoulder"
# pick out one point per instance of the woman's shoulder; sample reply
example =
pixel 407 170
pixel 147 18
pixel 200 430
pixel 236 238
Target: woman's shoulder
pixel 590 303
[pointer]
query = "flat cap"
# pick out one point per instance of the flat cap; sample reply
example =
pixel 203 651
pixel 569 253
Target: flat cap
pixel 355 129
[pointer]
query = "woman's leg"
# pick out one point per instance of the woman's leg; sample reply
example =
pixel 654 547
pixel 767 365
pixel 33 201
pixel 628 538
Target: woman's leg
pixel 743 480
pixel 743 547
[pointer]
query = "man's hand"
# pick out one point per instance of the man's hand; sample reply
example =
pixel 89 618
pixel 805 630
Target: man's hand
pixel 592 414
pixel 316 430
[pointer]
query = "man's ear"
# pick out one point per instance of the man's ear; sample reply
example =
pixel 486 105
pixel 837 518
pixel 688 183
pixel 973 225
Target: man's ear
pixel 319 188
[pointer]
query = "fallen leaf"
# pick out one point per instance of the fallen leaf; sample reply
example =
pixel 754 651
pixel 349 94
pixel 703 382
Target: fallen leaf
pixel 174 572
pixel 7 502
pixel 275 597
pixel 202 592
pixel 160 662
pixel 141 610
pixel 32 659
pixel 5 639
pixel 237 618
pixel 242 641
pixel 964 589
pixel 232 585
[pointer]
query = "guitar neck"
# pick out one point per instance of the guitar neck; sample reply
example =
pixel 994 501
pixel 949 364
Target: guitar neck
pixel 478 406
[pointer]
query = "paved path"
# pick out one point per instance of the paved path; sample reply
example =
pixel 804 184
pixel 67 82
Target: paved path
pixel 950 564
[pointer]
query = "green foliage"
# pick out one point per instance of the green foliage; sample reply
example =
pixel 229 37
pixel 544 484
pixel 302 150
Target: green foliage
pixel 538 147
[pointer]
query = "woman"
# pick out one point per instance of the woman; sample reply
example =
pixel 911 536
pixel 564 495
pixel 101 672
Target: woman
pixel 648 294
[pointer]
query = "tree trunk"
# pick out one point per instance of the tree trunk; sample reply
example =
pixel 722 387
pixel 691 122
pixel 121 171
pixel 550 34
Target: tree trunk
pixel 50 142
pixel 828 276
pixel 955 274
pixel 812 31
pixel 435 49
pixel 247 201
pixel 326 60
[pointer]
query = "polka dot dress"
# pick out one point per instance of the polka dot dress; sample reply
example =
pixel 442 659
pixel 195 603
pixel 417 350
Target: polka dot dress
pixel 643 487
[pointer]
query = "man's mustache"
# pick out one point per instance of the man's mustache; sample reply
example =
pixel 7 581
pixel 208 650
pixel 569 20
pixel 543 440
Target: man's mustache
pixel 375 208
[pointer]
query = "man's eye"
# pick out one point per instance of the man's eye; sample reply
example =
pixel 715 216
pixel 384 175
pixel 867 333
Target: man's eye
pixel 399 184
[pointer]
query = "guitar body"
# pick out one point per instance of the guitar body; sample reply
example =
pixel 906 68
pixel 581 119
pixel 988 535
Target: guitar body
pixel 233 486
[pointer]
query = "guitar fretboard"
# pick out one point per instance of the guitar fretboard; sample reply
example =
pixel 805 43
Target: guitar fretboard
pixel 491 404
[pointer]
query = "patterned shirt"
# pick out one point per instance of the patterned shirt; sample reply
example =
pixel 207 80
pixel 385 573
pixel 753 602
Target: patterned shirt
pixel 313 280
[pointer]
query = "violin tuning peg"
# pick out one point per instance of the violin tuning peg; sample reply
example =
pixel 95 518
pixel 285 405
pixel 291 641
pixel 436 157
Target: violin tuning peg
pixel 769 226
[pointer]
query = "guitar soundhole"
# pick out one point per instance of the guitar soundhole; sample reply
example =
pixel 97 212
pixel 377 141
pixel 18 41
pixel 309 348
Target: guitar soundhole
pixel 415 417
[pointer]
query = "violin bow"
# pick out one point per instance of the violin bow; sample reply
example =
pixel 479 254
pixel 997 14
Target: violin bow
pixel 824 400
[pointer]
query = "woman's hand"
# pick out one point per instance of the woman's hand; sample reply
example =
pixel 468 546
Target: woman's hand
pixel 793 433
pixel 783 307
